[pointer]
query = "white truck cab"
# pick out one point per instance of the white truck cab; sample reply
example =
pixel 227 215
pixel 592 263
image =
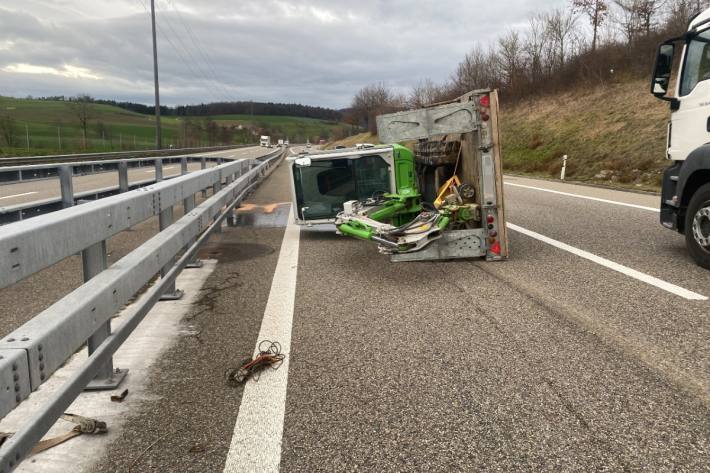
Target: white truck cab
pixel 685 201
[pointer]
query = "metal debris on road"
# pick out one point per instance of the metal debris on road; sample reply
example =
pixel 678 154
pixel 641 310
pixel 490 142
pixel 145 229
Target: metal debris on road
pixel 269 356
pixel 119 397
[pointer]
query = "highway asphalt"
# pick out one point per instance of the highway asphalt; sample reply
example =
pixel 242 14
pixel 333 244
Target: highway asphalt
pixel 22 192
pixel 586 351
pixel 545 362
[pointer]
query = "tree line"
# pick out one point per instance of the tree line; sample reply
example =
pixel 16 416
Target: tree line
pixel 215 108
pixel 589 43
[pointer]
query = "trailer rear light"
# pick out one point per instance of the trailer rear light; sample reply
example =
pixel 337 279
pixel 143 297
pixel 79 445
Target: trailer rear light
pixel 493 233
pixel 490 219
pixel 495 248
pixel 485 117
pixel 485 101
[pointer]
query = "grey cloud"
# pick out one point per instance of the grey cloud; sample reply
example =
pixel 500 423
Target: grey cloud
pixel 260 50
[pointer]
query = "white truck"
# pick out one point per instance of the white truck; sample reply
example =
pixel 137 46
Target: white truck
pixel 281 143
pixel 265 141
pixel 685 196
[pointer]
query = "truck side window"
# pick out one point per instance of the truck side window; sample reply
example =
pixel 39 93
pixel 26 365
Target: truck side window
pixel 697 63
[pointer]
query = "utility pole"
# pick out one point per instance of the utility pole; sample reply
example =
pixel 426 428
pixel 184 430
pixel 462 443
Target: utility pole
pixel 27 134
pixel 158 138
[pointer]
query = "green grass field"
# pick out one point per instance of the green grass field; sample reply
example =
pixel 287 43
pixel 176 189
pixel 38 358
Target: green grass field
pixel 52 127
pixel 297 129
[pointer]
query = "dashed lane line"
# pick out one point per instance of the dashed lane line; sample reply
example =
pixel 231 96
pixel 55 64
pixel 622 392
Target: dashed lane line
pixel 18 195
pixel 579 196
pixel 643 277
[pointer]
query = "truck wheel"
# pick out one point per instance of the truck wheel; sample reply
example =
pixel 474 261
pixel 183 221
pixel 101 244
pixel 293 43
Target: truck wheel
pixel 697 226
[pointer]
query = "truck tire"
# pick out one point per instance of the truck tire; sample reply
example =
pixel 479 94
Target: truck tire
pixel 697 226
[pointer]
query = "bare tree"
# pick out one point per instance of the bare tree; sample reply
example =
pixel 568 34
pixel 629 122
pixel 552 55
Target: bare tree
pixel 681 11
pixel 8 130
pixel 372 100
pixel 560 27
pixel 536 42
pixel 426 92
pixel 477 70
pixel 81 108
pixel 597 11
pixel 510 57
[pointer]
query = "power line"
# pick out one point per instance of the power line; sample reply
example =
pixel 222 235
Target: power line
pixel 187 50
pixel 205 55
pixel 176 49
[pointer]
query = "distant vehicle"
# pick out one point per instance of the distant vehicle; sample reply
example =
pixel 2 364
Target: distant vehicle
pixel 281 143
pixel 340 147
pixel 321 142
pixel 685 192
pixel 265 141
pixel 364 146
pixel 286 143
pixel 308 145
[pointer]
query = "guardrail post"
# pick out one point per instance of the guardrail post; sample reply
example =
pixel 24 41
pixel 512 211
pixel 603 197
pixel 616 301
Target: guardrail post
pixel 203 165
pixel 183 165
pixel 189 205
pixel 158 171
pixel 122 176
pixel 170 294
pixel 216 187
pixel 231 218
pixel 66 174
pixel 94 261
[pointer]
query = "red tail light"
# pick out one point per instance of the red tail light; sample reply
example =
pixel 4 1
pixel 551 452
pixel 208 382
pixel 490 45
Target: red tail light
pixel 495 248
pixel 485 101
pixel 490 219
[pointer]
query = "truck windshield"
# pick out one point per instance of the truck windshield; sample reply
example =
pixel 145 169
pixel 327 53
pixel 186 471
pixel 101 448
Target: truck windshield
pixel 697 62
pixel 323 187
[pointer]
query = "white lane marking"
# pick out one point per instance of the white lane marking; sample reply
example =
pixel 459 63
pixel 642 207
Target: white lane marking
pixel 607 201
pixel 18 195
pixel 256 441
pixel 164 169
pixel 643 277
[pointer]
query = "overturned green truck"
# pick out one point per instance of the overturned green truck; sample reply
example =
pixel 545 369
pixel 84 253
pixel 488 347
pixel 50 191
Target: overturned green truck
pixel 439 197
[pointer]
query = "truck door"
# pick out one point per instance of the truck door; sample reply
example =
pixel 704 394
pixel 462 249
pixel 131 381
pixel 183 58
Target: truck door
pixel 690 125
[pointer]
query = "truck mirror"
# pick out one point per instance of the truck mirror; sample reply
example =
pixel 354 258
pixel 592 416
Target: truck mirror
pixel 303 162
pixel 662 70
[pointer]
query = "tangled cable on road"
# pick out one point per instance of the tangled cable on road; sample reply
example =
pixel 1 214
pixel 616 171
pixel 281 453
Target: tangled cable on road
pixel 269 356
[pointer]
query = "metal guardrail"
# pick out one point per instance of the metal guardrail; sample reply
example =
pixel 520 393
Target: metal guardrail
pixel 65 171
pixel 61 158
pixel 30 354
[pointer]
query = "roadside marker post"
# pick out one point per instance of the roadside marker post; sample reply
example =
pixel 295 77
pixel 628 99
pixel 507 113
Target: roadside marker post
pixel 564 167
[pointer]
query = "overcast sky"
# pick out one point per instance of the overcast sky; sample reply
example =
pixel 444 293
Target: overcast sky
pixel 317 52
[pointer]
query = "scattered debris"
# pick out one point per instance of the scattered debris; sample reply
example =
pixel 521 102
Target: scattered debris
pixel 199 448
pixel 269 356
pixel 85 425
pixel 119 397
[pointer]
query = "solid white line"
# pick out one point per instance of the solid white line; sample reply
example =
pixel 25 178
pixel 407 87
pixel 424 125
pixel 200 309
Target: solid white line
pixel 18 195
pixel 164 169
pixel 643 277
pixel 642 207
pixel 256 441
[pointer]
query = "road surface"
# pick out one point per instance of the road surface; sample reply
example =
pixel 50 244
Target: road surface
pixel 586 351
pixel 22 192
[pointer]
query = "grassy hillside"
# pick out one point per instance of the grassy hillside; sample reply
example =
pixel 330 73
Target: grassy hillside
pixel 48 121
pixel 614 134
pixel 53 127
